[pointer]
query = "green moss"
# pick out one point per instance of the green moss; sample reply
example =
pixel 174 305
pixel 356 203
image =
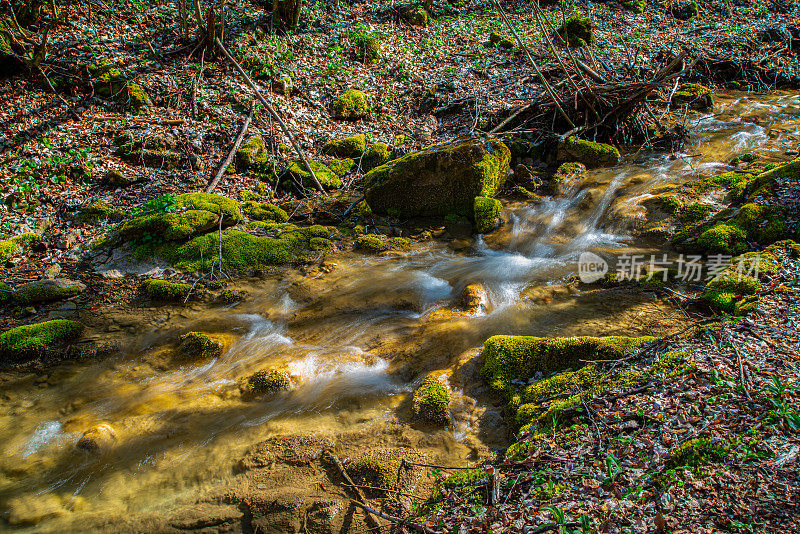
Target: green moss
pixel 692 213
pixel 464 484
pixel 5 292
pixel 166 291
pixel 685 10
pixel 197 345
pixel 326 177
pixel 497 40
pixel 577 31
pixel 214 203
pixel 252 154
pixel 723 238
pixel 695 96
pixel 634 6
pixel 20 244
pixel 366 47
pixel 486 213
pixel 764 183
pixel 431 401
pixel 439 180
pixel 194 213
pixel 267 382
pixel 589 153
pixel 320 243
pixel 377 155
pixel 139 101
pixel 260 211
pixel 350 105
pixel 249 196
pixel 47 291
pixel 698 452
pixel 670 204
pixel 372 471
pixel 109 82
pixel 341 167
pixel 415 15
pixel 349 147
pixel 33 340
pixel 519 451
pixel 372 243
pixel 99 210
pixel 317 230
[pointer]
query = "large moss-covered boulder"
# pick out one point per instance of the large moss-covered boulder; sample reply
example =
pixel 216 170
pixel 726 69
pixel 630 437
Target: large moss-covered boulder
pixel 432 399
pixel 349 147
pixel 327 178
pixel 377 155
pixel 366 47
pixel 694 96
pixel 192 214
pixel 33 340
pixel 439 180
pixel 589 153
pixel 261 211
pixel 47 291
pixel 351 105
pixel 576 31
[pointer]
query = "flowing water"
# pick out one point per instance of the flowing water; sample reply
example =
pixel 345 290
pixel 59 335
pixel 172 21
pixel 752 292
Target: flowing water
pixel 356 337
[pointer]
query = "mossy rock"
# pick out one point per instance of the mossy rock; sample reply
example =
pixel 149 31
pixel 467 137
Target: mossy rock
pixel 431 400
pixel 439 180
pixel 498 41
pixel 685 10
pixel 764 184
pixel 17 245
pixel 414 14
pixel 377 155
pixel 340 167
pixel 634 6
pixel 194 213
pixel 366 47
pixel 252 154
pixel 327 178
pixel 486 214
pixel 465 484
pixel 6 293
pixel 99 210
pixel 47 291
pixel 351 105
pixel 694 96
pixel 266 382
pixel 30 341
pixel 109 82
pixel 197 345
pixel 349 147
pixel 283 86
pixel 260 211
pixel 115 178
pixel 379 243
pixel 730 290
pixel 166 291
pixel 589 153
pixel 698 452
pixel 373 471
pixel 577 31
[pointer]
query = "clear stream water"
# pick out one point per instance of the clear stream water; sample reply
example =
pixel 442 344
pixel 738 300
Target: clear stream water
pixel 356 340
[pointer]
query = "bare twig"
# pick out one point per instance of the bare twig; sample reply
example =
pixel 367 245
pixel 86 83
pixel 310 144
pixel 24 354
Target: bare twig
pixel 360 499
pixel 406 523
pixel 227 161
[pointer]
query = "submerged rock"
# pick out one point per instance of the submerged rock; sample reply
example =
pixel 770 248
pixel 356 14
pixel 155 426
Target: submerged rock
pixel 474 299
pixel 373 471
pixel 98 439
pixel 439 180
pixel 266 382
pixel 432 399
pixel 48 291
pixel 197 345
pixel 589 153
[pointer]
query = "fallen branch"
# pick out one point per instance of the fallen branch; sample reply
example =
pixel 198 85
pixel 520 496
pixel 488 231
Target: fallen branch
pixel 406 523
pixel 236 144
pixel 273 113
pixel 360 499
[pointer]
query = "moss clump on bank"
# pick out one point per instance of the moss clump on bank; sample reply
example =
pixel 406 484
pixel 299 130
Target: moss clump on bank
pixel 373 472
pixel 33 340
pixel 99 210
pixel 166 291
pixel 589 153
pixel 415 15
pixel 260 211
pixel 197 345
pixel 252 154
pixel 47 291
pixel 698 452
pixel 432 400
pixel 498 41
pixel 351 105
pixel 694 96
pixel 349 147
pixel 340 167
pixel 377 155
pixel 439 180
pixel 379 243
pixel 577 31
pixel 5 292
pixel 464 484
pixel 634 6
pixel 266 382
pixel 327 178
pixel 486 214
pixel 366 47
pixel 20 244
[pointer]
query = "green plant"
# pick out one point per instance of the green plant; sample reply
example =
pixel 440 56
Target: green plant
pixel 780 402
pixel 613 467
pixel 36 173
pixel 162 204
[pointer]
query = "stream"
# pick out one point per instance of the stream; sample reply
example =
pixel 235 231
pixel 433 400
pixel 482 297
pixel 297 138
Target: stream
pixel 357 338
